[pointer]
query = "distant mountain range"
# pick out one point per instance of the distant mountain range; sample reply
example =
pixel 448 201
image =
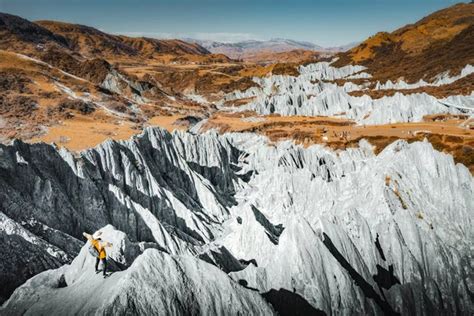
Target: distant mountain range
pixel 248 49
pixel 20 35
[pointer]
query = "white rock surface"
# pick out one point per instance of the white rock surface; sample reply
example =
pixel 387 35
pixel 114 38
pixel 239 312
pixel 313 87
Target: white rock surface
pixel 346 232
pixel 153 282
pixel 440 80
pixel 310 94
pixel 346 196
pixel 324 71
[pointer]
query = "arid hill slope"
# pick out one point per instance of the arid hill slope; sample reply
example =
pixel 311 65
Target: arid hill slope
pixel 439 42
pixel 92 42
pixel 18 34
pixel 300 56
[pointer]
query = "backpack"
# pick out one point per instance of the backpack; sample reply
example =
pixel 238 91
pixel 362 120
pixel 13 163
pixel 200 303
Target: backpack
pixel 93 251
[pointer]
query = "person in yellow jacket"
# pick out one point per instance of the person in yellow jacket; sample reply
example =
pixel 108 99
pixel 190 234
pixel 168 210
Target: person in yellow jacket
pixel 100 246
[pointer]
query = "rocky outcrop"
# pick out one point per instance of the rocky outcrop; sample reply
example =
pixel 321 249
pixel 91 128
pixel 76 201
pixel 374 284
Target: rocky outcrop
pixel 441 42
pixel 145 281
pixel 441 79
pixel 143 187
pixel 310 95
pixel 335 209
pixel 345 232
pixel 324 71
pixel 18 33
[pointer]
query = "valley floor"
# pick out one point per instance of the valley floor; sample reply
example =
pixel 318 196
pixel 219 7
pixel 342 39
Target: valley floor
pixel 450 134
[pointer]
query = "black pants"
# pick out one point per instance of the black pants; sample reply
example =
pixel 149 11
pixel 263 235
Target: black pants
pixel 104 264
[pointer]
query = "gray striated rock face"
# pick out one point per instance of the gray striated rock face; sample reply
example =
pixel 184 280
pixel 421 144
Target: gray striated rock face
pixel 399 225
pixel 310 95
pixel 153 282
pixel 143 187
pixel 338 232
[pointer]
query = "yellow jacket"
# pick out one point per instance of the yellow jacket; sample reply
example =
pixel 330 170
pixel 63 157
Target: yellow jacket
pixel 99 245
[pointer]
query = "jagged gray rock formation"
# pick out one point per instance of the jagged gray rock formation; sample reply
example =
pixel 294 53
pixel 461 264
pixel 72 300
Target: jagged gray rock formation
pixel 440 80
pixel 144 187
pixel 339 232
pixel 310 94
pixel 153 282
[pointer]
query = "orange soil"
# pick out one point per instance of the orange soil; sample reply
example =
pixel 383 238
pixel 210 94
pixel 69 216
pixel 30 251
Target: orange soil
pixel 82 132
pixel 445 135
pixel 167 122
pixel 293 56
pixel 365 50
pixel 442 25
pixel 331 127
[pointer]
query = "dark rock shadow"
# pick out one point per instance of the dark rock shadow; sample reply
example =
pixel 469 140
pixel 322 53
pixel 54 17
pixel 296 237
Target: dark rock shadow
pixel 287 303
pixel 385 278
pixel 245 284
pixel 273 231
pixel 223 259
pixel 247 262
pixel 365 286
pixel 379 248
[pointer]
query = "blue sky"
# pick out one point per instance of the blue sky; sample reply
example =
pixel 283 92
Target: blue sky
pixel 327 23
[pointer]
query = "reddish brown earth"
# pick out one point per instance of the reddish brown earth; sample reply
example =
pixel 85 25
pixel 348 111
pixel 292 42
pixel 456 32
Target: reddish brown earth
pixel 298 56
pixel 441 41
pixel 445 132
pixel 463 86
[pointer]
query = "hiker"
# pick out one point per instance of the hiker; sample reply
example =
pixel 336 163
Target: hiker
pixel 100 254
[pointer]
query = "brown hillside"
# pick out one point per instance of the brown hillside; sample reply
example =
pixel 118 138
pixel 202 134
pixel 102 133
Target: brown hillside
pixel 92 42
pixel 19 34
pixel 442 41
pixel 87 40
pixel 293 56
